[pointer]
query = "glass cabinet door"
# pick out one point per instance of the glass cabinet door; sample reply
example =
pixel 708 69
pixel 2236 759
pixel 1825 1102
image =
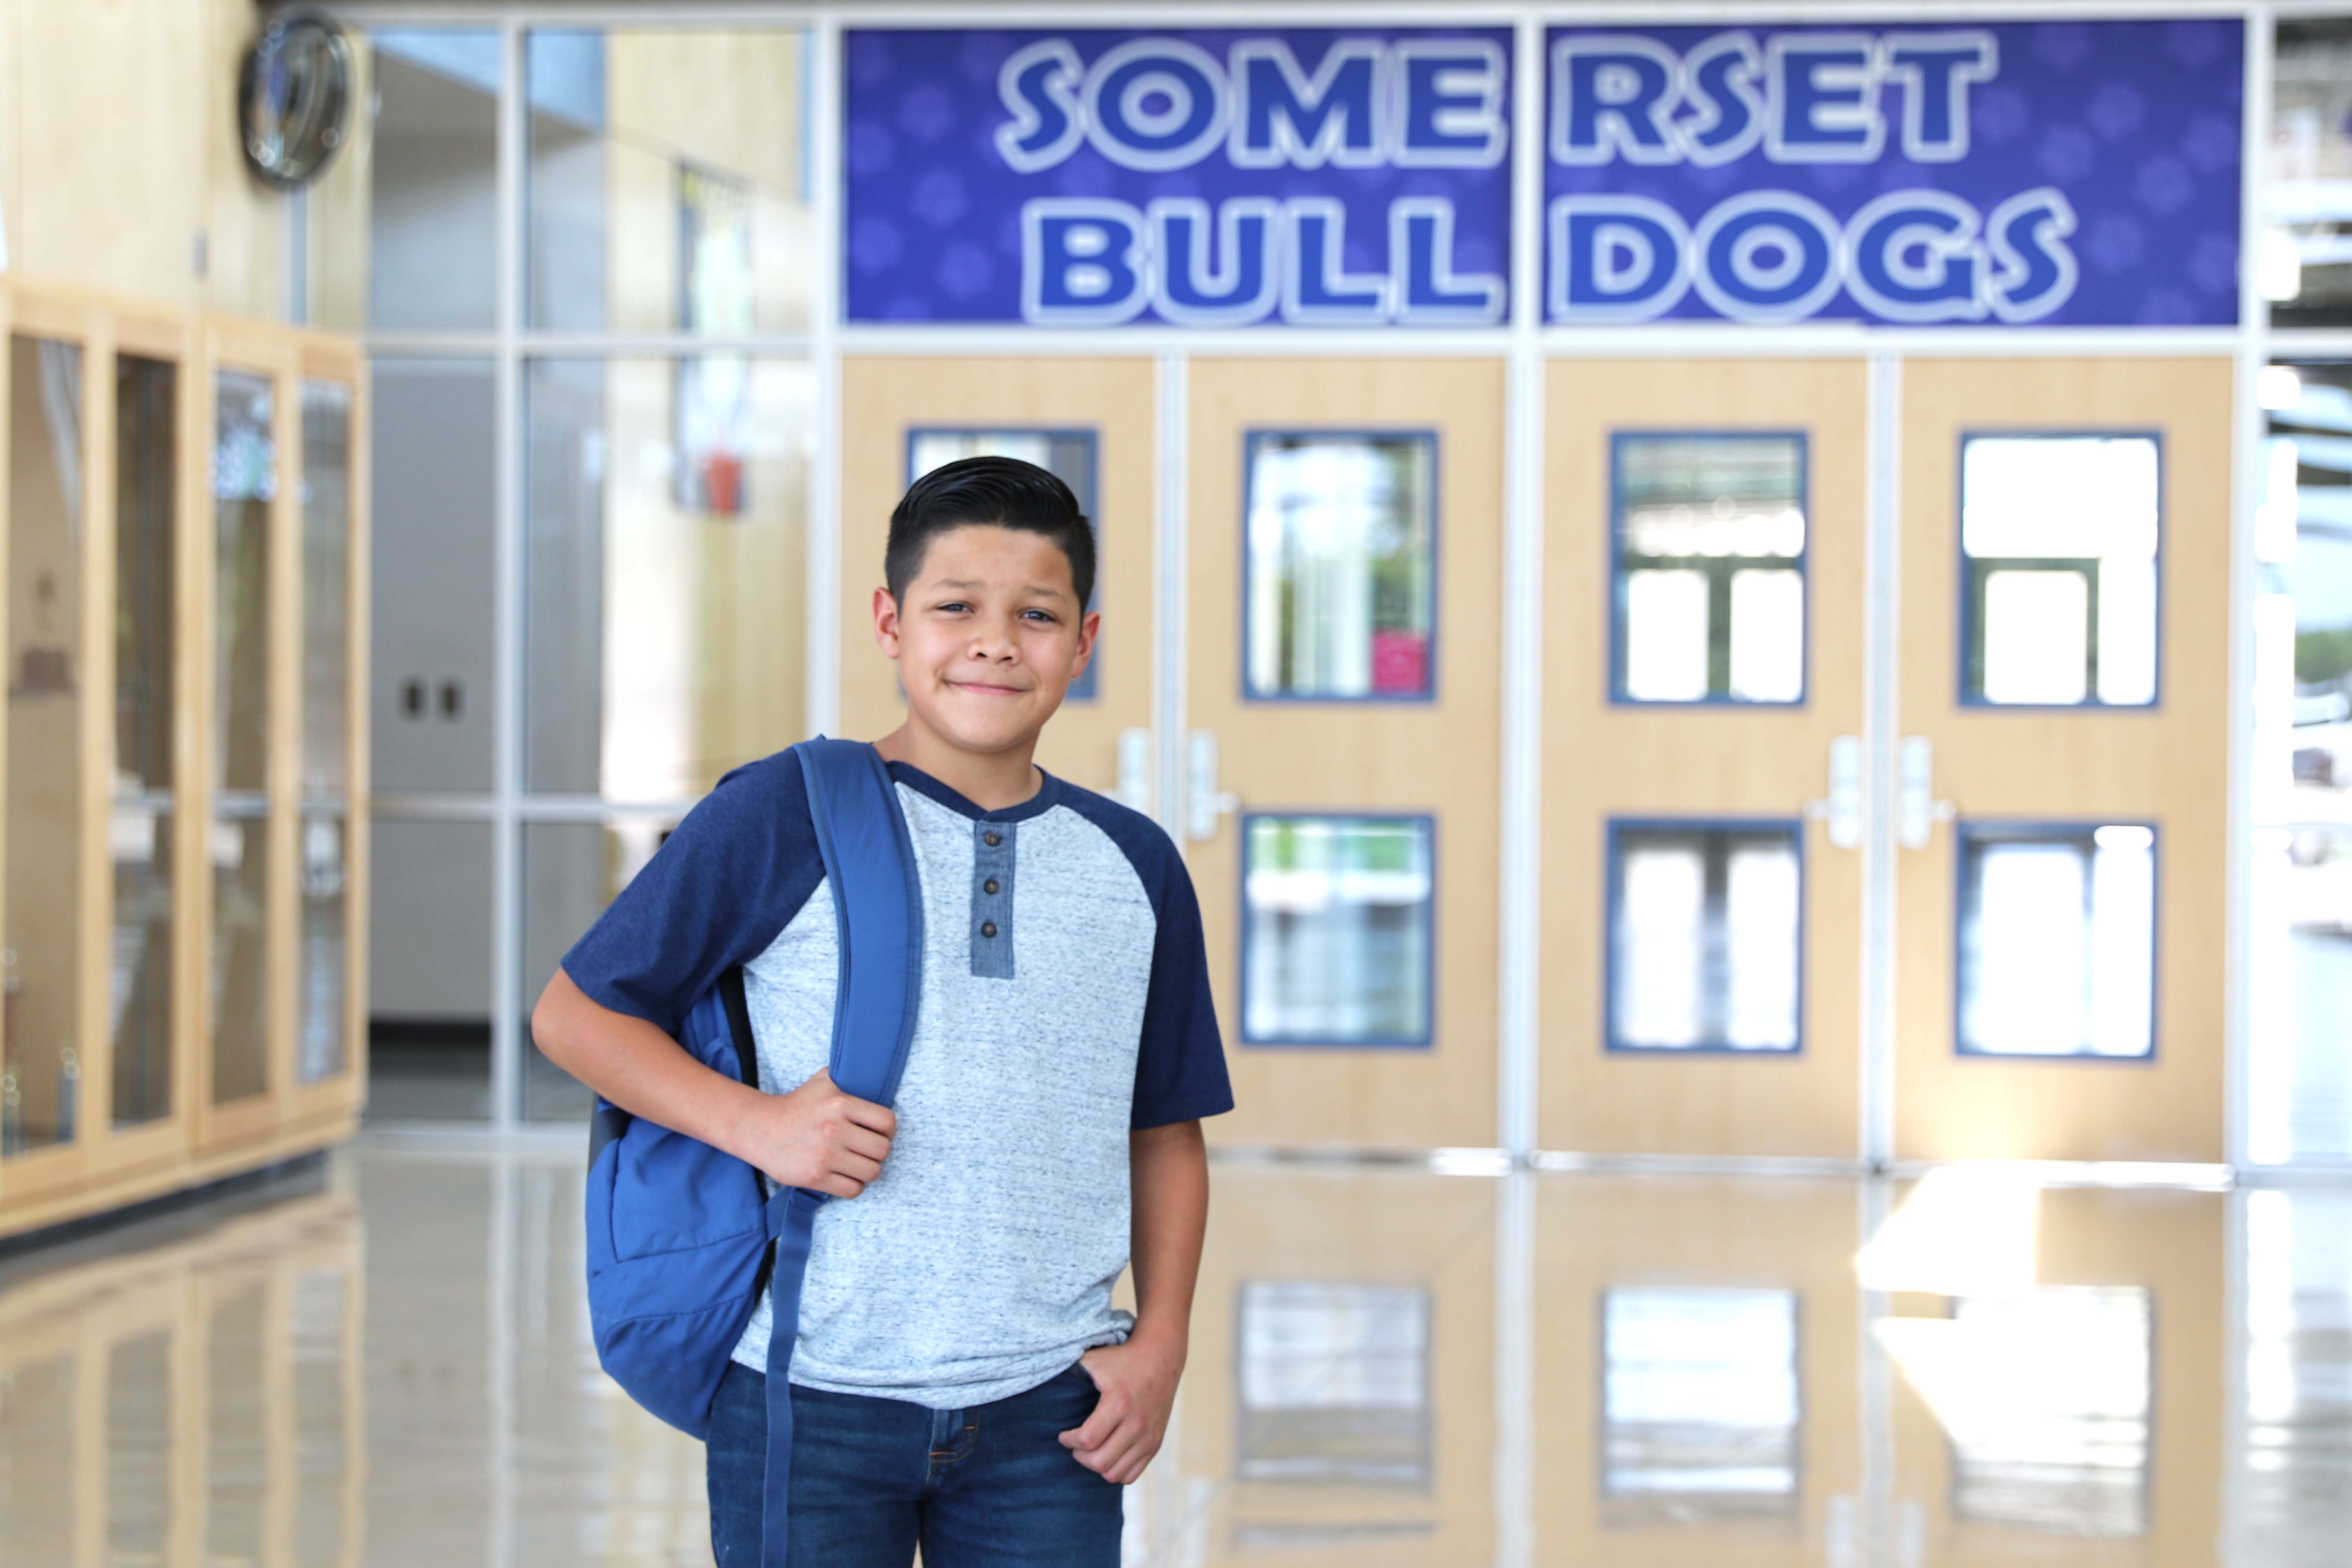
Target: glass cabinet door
pixel 323 1012
pixel 244 484
pixel 40 1063
pixel 139 990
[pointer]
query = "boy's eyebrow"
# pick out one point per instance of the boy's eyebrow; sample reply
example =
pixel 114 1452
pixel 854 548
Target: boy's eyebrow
pixel 968 586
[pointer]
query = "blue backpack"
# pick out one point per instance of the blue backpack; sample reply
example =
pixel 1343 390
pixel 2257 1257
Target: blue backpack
pixel 682 1238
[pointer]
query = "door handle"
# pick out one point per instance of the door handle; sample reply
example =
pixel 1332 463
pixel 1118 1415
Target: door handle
pixel 1134 790
pixel 1206 802
pixel 1917 810
pixel 1842 810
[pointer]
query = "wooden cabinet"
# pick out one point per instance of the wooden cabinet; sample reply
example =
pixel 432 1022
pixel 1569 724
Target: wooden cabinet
pixel 182 807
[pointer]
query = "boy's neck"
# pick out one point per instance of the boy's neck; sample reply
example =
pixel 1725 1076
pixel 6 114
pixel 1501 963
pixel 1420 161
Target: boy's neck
pixel 990 780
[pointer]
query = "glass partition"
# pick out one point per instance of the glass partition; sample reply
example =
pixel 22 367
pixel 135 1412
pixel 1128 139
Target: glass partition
pixel 2304 263
pixel 1705 936
pixel 664 610
pixel 432 217
pixel 1067 455
pixel 2303 606
pixel 146 432
pixel 1340 536
pixel 433 588
pixel 322 1015
pixel 1709 544
pixel 2299 1070
pixel 429 946
pixel 2057 940
pixel 2059 547
pixel 40 1066
pixel 670 181
pixel 570 871
pixel 245 483
pixel 1337 929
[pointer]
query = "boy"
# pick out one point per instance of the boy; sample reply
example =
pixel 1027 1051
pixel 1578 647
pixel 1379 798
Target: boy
pixel 961 1379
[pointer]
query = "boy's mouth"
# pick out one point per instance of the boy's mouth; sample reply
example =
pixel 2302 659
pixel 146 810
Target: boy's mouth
pixel 986 688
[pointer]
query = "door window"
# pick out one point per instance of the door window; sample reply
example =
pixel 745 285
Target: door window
pixel 2057 940
pixel 1340 566
pixel 1705 936
pixel 1337 934
pixel 1708 538
pixel 2058 544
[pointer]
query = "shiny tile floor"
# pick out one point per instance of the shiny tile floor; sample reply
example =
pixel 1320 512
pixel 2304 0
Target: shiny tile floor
pixel 390 1366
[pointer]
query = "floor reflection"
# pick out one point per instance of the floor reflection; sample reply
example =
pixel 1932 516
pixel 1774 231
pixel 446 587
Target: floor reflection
pixel 1389 1367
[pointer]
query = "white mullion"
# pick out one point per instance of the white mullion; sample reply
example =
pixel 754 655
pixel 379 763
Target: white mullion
pixel 1520 965
pixel 2249 475
pixel 1521 759
pixel 506 767
pixel 1882 719
pixel 912 13
pixel 1305 13
pixel 1171 601
pixel 1012 338
pixel 412 344
pixel 821 708
pixel 1812 339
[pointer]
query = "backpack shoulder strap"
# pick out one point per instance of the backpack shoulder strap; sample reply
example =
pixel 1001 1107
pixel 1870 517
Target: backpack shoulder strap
pixel 878 906
pixel 878 902
pixel 739 1025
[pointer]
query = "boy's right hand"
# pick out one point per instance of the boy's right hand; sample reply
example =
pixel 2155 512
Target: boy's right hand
pixel 819 1136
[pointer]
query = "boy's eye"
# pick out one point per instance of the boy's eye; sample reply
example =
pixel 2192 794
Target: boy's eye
pixel 1045 615
pixel 953 605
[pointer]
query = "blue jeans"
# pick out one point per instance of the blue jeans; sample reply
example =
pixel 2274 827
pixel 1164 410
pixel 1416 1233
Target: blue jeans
pixel 990 1487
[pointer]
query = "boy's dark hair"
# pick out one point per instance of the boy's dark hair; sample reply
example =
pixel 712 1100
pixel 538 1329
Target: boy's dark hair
pixel 1005 492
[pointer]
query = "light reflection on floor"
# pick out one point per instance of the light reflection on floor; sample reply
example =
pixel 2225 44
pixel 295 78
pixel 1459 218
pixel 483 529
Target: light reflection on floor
pixel 394 1369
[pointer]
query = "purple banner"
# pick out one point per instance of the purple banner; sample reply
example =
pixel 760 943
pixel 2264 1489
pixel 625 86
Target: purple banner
pixel 2074 173
pixel 1207 177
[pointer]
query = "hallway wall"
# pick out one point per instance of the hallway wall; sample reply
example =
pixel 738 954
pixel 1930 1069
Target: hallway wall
pixel 120 165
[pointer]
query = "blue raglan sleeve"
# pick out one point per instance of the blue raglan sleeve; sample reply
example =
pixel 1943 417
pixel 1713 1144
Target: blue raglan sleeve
pixel 715 895
pixel 1179 1065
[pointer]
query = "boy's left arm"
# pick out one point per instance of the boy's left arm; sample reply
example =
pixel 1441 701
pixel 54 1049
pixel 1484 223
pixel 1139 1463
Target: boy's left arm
pixel 1169 1181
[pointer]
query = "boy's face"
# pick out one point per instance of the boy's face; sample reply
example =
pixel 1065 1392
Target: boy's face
pixel 989 636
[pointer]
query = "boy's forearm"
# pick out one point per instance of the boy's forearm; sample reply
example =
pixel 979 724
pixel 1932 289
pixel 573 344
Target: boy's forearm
pixel 639 1068
pixel 1168 1173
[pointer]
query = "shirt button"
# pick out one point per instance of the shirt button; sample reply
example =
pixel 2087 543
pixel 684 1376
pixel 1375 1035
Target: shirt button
pixel 988 928
pixel 992 839
pixel 989 886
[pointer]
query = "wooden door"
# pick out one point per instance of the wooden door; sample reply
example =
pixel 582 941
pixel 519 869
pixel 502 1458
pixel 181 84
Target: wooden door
pixel 1342 684
pixel 1702 659
pixel 2064 696
pixel 1088 419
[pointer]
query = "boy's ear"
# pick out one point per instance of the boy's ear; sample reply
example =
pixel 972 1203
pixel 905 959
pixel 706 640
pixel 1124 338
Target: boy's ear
pixel 886 622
